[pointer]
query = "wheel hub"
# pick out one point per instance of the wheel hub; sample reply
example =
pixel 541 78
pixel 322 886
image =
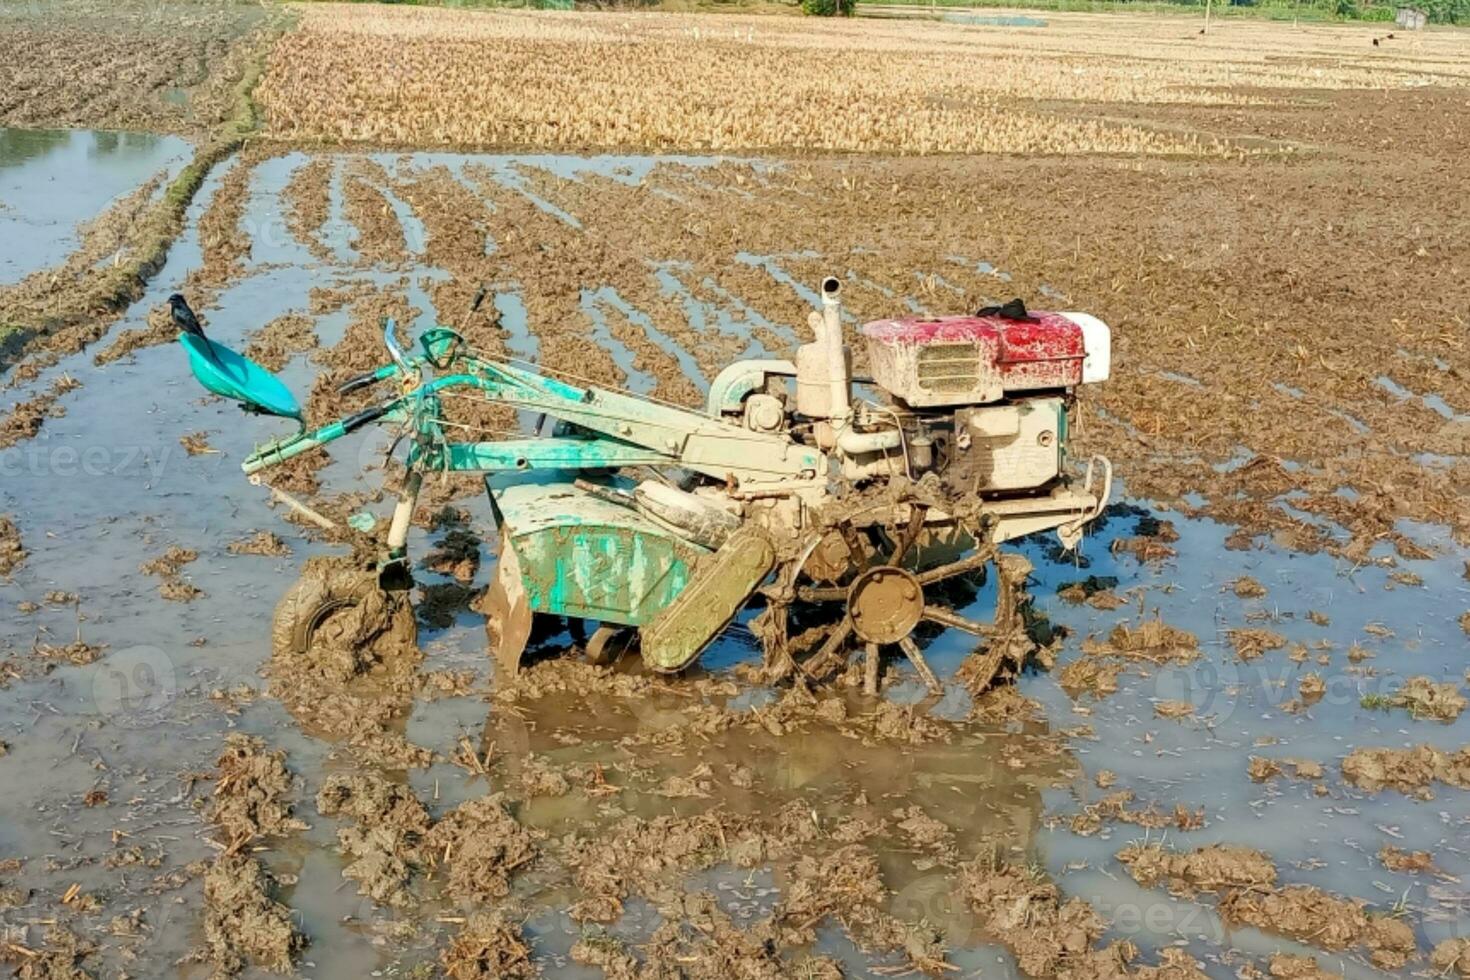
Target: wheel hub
pixel 885 604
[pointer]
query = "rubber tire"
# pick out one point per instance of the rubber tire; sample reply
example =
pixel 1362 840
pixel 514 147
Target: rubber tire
pixel 323 588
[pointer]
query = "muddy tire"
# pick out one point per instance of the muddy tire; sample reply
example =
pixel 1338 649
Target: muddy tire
pixel 325 587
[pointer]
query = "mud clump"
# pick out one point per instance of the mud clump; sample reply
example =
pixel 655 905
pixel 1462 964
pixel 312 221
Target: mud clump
pixel 1246 881
pixel 440 603
pixel 538 778
pixel 1206 869
pixel 1048 936
pixel 1115 808
pixel 1251 643
pixel 847 887
pixel 243 924
pixel 1090 675
pixel 1151 543
pixel 1246 587
pixel 384 839
pixel 1410 862
pixel 169 561
pixel 639 855
pixel 483 845
pixel 261 543
pixel 1451 958
pixel 1423 698
pixel 1261 769
pixel 168 567
pixel 488 947
pixel 845 883
pixel 698 940
pixel 252 796
pixel 60 959
pixel 1310 915
pixel 1095 590
pixel 12 552
pixel 1410 771
pixel 1152 640
pixel 196 443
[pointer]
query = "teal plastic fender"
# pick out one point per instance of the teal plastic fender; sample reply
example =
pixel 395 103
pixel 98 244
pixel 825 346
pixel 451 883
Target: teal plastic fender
pixel 237 377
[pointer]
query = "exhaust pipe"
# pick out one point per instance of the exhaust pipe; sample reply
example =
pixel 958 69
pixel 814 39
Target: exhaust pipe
pixel 836 356
pixel 823 373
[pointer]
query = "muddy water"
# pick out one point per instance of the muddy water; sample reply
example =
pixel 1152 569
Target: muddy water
pixel 53 180
pixel 108 486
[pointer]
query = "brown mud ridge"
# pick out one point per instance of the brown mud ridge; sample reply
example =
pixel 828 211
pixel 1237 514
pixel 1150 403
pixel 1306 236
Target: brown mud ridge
pixel 1051 937
pixel 25 418
pixel 1410 771
pixel 244 923
pixel 306 197
pixel 280 340
pixel 63 310
pixel 1245 880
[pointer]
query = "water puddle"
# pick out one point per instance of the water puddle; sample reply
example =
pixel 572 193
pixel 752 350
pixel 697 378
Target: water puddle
pixel 53 180
pixel 1433 402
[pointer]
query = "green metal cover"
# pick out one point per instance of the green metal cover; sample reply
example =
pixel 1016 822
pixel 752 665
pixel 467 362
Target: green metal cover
pixel 587 557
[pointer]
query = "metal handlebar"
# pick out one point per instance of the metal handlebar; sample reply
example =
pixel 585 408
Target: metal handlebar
pixel 391 342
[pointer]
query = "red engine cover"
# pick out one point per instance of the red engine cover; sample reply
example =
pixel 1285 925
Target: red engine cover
pixel 929 360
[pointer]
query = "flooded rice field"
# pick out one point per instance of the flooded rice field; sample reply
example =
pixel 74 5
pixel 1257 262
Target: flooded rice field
pixel 51 181
pixel 1193 785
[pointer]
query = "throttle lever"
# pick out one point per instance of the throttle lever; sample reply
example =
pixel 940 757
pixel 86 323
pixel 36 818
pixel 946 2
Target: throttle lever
pixel 359 381
pixel 364 417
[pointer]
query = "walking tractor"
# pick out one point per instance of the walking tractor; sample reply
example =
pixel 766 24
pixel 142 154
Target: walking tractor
pixel 838 506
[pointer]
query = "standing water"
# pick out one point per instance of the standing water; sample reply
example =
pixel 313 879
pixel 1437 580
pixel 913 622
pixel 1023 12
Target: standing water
pixel 53 180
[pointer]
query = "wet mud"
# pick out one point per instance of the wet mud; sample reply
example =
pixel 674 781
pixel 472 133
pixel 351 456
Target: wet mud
pixel 1263 637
